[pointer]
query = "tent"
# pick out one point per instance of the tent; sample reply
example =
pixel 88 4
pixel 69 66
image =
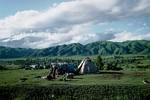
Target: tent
pixel 87 66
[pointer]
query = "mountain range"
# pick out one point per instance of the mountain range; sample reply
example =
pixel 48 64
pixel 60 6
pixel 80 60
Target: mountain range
pixel 95 48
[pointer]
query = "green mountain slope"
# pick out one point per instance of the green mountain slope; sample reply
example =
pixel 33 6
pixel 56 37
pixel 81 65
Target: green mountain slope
pixel 100 47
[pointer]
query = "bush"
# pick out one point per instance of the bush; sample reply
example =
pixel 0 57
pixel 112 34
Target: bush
pixel 2 67
pixel 99 63
pixel 76 92
pixel 112 66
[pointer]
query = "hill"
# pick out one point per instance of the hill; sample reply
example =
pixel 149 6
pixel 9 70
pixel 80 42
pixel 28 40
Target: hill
pixel 100 47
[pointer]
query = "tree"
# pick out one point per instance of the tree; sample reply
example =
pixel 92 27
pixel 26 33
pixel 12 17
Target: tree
pixel 99 63
pixel 2 67
pixel 112 65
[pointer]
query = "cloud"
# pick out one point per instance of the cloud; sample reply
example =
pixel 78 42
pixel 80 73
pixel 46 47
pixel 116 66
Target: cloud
pixel 142 5
pixel 69 22
pixel 124 36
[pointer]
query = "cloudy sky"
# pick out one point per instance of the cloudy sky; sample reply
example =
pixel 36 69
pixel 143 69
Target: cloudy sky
pixel 45 23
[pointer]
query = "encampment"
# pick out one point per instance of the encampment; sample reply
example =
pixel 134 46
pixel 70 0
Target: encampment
pixel 87 66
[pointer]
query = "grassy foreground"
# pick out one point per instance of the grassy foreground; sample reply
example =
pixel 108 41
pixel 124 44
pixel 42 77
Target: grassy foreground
pixel 32 77
pixel 75 92
pixel 111 85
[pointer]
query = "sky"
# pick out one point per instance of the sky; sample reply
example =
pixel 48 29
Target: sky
pixel 46 23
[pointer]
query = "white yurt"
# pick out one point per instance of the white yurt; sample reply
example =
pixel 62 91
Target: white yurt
pixel 87 66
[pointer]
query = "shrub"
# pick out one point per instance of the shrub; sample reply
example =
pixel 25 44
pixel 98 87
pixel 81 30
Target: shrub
pixel 99 63
pixel 76 92
pixel 2 67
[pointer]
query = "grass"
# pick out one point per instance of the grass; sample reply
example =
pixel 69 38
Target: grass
pixel 22 84
pixel 75 92
pixel 108 85
pixel 32 77
pixel 145 61
pixel 18 84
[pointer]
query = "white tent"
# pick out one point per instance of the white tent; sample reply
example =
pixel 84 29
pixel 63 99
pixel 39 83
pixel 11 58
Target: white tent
pixel 87 66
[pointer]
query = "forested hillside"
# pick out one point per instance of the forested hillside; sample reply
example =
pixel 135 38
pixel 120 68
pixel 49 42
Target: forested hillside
pixel 100 47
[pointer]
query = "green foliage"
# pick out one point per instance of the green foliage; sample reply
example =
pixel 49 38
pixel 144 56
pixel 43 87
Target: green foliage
pixel 12 77
pixel 7 52
pixel 72 92
pixel 117 62
pixel 99 63
pixel 27 84
pixel 101 47
pixel 116 85
pixel 2 67
pixel 112 66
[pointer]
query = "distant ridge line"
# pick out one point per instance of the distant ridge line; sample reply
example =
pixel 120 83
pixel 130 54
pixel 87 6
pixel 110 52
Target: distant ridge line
pixel 94 48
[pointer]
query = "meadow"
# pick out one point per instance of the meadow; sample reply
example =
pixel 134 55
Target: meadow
pixel 33 77
pixel 17 83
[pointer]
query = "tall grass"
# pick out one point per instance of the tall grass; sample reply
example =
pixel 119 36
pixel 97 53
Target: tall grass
pixel 80 92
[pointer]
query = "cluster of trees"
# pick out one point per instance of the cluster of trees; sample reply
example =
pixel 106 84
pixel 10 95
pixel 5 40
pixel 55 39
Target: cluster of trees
pixel 103 63
pixel 122 62
pixel 108 65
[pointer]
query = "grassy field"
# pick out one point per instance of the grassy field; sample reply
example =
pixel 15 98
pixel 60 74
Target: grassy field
pixel 15 77
pixel 108 85
pixel 127 84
